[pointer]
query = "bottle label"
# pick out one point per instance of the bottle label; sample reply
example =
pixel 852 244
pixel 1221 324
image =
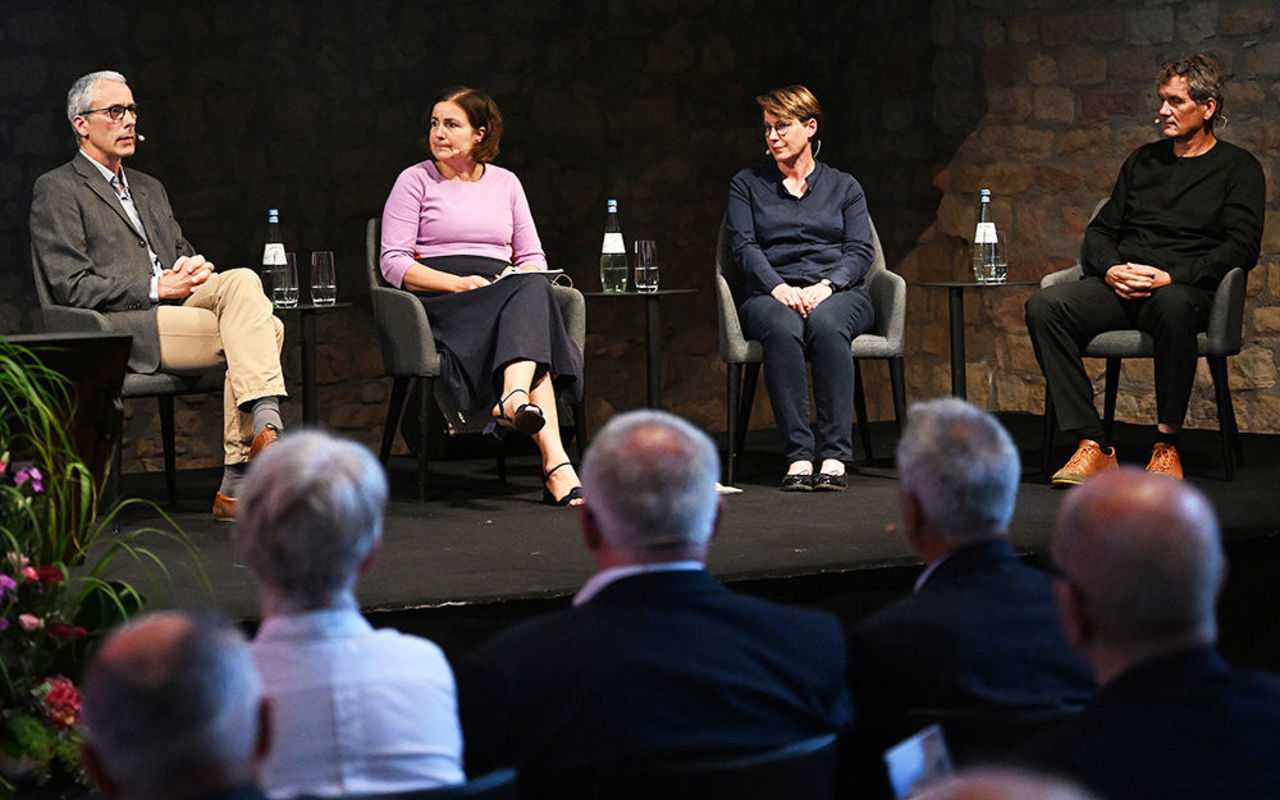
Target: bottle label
pixel 273 254
pixel 985 234
pixel 613 243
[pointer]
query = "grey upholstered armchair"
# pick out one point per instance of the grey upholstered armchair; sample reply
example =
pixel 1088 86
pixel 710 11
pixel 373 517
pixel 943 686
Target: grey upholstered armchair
pixel 889 298
pixel 409 352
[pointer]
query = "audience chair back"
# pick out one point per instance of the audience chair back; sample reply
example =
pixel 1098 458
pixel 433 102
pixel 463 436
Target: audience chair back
pixel 886 341
pixel 1223 336
pixel 164 386
pixel 804 770
pixel 497 785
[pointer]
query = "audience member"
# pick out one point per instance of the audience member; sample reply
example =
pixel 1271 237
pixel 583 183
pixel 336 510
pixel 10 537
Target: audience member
pixel 107 240
pixel 656 658
pixel 173 710
pixel 979 631
pixel 354 710
pixel 991 783
pixel 1140 565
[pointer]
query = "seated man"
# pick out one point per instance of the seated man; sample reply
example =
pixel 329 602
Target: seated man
pixel 979 631
pixel 173 710
pixel 1139 568
pixel 354 711
pixel 109 242
pixel 656 658
pixel 1184 212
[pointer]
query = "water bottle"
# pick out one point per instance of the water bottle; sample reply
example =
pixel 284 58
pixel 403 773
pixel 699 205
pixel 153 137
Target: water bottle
pixel 272 252
pixel 613 254
pixel 988 256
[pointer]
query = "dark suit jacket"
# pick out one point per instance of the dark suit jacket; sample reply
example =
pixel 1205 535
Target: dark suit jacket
pixel 1182 727
pixel 92 257
pixel 657 664
pixel 981 633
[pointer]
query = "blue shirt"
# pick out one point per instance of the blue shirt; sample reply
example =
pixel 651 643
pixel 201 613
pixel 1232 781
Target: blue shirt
pixel 779 238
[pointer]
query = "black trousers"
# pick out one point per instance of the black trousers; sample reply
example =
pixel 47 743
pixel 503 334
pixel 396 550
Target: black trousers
pixel 1063 318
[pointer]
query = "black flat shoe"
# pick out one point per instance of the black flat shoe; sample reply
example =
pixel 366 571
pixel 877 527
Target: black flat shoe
pixel 797 483
pixel 831 482
pixel 573 494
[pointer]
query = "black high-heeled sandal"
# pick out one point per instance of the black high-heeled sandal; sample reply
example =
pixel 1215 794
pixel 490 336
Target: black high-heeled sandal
pixel 573 494
pixel 527 419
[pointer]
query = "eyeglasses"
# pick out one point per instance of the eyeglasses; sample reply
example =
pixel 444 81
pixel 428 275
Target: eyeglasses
pixel 116 112
pixel 779 128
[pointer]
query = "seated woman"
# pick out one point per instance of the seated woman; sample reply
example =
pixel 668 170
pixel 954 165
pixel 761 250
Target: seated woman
pixel 451 227
pixel 800 232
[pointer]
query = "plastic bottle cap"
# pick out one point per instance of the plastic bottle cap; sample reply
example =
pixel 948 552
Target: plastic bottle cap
pixel 986 192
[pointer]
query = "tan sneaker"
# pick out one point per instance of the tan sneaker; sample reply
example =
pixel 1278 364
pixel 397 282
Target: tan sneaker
pixel 1088 460
pixel 1165 461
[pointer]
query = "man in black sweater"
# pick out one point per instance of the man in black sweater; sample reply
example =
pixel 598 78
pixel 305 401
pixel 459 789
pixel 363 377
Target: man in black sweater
pixel 1184 212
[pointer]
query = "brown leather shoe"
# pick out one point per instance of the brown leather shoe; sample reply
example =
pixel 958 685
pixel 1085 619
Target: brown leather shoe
pixel 1165 461
pixel 1088 460
pixel 224 508
pixel 265 437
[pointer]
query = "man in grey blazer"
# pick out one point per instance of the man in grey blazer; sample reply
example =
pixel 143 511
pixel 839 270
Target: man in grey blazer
pixel 108 241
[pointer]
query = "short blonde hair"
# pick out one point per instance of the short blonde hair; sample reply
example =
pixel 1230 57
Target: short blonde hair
pixel 793 103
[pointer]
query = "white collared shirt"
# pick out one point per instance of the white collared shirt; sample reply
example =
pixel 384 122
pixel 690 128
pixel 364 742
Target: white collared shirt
pixel 604 577
pixel 355 710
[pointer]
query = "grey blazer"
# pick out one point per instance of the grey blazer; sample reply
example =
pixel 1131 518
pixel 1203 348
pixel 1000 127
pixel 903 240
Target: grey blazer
pixel 91 256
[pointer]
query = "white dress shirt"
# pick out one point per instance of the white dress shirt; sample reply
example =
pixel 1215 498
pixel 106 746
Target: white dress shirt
pixel 355 710
pixel 120 185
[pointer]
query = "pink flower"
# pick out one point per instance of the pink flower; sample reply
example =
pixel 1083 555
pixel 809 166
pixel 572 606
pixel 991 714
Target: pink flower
pixel 7 586
pixel 61 630
pixel 29 622
pixel 18 560
pixel 29 473
pixel 50 574
pixel 61 702
pixel 30 573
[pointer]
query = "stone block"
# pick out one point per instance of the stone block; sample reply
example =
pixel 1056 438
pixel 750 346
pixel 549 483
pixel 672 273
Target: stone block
pixel 1264 60
pixel 1245 94
pixel 1007 312
pixel 1266 320
pixel 1057 180
pixel 1082 66
pixel 1197 21
pixel 1025 141
pixel 1041 69
pixel 1013 392
pixel 1247 18
pixel 1094 25
pixel 1010 103
pixel 1002 178
pixel 1271 233
pixel 1006 66
pixel 978 379
pixel 1028 226
pixel 1016 354
pixel 1130 138
pixel 1023 30
pixel 1053 104
pixel 1073 220
pixel 1092 140
pixel 1101 178
pixel 1253 368
pixel 1102 105
pixel 1149 26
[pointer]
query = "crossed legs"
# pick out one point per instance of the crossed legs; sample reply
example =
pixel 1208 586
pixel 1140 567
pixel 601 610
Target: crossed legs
pixel 527 376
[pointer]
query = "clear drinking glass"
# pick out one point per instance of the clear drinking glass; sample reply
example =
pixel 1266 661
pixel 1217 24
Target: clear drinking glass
pixel 284 289
pixel 324 283
pixel 646 265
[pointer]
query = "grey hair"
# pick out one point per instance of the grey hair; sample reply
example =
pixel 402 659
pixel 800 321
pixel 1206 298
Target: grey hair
pixel 649 480
pixel 78 96
pixel 310 512
pixel 961 465
pixel 180 699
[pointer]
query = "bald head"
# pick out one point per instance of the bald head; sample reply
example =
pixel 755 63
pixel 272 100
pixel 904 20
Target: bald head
pixel 1144 555
pixel 650 481
pixel 1002 784
pixel 172 694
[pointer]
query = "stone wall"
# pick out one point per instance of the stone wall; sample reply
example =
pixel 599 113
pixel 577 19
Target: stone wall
pixel 1070 92
pixel 314 108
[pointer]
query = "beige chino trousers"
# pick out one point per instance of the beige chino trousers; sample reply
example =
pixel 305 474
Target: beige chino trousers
pixel 229 322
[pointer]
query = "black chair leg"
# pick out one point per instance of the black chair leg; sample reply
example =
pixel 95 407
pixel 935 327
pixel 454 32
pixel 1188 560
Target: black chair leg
pixel 1227 428
pixel 580 427
pixel 733 385
pixel 170 456
pixel 750 378
pixel 1047 443
pixel 860 410
pixel 898 380
pixel 1109 397
pixel 427 386
pixel 395 407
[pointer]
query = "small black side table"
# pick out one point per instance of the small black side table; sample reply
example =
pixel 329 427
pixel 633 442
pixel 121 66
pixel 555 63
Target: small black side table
pixel 307 319
pixel 955 312
pixel 652 336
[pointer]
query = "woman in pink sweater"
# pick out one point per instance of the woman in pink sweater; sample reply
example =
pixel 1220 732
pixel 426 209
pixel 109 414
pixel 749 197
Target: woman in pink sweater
pixel 451 227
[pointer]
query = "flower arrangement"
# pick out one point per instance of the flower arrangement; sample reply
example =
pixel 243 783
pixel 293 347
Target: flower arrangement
pixel 56 594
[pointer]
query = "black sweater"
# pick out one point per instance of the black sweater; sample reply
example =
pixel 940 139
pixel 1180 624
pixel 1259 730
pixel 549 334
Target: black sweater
pixel 1195 218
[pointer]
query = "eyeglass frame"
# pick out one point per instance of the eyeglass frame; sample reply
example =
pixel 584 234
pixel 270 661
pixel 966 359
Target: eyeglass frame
pixel 111 113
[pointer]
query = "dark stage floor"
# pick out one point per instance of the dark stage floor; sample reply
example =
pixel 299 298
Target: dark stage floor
pixel 480 553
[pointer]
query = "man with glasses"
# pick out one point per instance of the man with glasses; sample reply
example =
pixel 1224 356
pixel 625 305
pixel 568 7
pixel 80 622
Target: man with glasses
pixel 1184 211
pixel 107 240
pixel 1139 567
